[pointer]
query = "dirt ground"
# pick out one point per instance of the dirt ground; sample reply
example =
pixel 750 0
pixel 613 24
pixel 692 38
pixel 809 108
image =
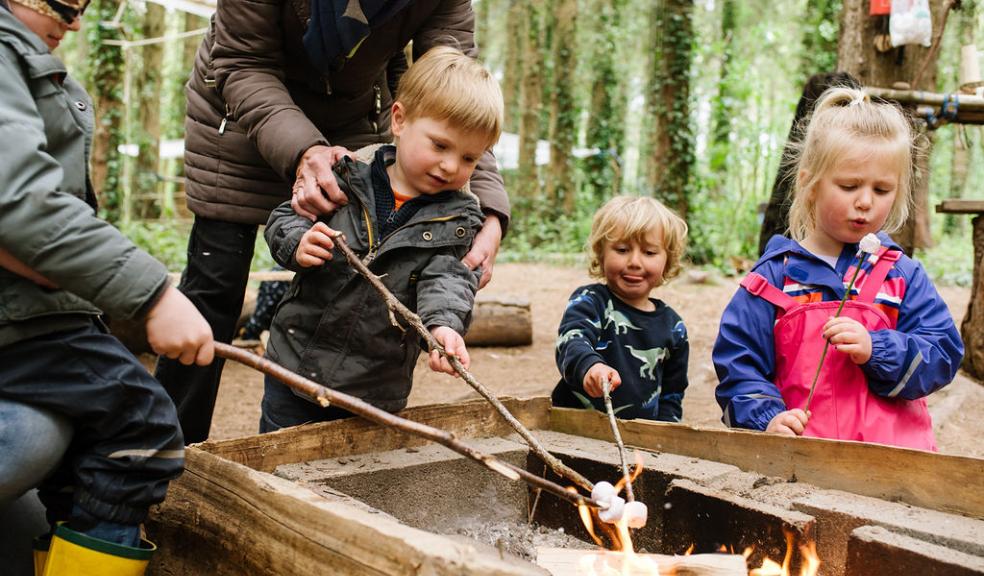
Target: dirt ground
pixel 530 370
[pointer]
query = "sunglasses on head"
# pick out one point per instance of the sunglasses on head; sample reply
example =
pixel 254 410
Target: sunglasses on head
pixel 68 12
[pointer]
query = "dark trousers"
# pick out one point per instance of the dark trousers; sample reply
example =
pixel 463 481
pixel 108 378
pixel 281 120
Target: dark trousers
pixel 281 408
pixel 219 255
pixel 126 444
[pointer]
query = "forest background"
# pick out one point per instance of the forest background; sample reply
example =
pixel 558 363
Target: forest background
pixel 690 101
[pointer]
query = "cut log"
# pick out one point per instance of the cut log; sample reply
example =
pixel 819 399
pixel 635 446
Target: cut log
pixel 500 322
pixel 562 561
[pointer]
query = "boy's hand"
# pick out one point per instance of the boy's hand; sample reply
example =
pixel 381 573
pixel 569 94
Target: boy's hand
pixel 316 246
pixel 453 344
pixel 789 423
pixel 849 336
pixel 595 377
pixel 176 329
pixel 484 248
pixel 316 191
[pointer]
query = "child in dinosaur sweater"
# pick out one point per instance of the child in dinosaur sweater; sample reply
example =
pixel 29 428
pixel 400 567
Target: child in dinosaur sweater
pixel 614 331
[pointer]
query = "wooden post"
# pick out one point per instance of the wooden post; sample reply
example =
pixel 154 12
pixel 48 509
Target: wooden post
pixel 972 328
pixel 500 322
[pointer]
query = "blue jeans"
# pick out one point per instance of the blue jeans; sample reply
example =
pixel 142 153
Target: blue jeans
pixel 32 443
pixel 282 408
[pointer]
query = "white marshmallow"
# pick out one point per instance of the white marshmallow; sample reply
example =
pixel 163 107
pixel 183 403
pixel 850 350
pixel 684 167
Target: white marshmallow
pixel 636 514
pixel 616 506
pixel 602 491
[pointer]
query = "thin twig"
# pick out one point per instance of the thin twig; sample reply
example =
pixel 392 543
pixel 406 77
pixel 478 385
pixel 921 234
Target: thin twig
pixel 395 306
pixel 326 396
pixel 607 388
pixel 826 343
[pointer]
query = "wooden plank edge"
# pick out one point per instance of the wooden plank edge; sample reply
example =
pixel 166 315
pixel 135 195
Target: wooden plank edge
pixel 927 479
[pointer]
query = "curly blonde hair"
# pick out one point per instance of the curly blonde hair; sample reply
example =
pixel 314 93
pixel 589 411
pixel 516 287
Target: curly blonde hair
pixel 633 218
pixel 845 118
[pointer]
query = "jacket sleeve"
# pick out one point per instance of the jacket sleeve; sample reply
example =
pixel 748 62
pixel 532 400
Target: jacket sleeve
pixel 446 292
pixel 55 232
pixel 744 359
pixel 675 376
pixel 577 336
pixel 283 233
pixel 453 24
pixel 248 62
pixel 923 353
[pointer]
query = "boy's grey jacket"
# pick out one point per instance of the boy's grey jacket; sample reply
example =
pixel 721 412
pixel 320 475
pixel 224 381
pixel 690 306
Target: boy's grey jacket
pixel 334 328
pixel 46 127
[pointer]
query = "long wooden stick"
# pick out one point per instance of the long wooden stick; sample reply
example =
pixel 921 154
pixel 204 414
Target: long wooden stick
pixel 326 397
pixel 397 307
pixel 607 389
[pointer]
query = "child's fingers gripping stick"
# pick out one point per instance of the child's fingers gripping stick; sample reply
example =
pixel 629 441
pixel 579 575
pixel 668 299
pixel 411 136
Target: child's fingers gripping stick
pixel 595 377
pixel 454 345
pixel 789 423
pixel 177 330
pixel 316 246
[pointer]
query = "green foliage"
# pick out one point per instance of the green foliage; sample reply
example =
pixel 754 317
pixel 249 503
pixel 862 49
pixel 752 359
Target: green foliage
pixel 168 242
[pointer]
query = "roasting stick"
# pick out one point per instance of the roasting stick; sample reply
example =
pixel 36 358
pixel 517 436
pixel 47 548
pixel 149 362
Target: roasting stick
pixel 326 396
pixel 395 306
pixel 607 389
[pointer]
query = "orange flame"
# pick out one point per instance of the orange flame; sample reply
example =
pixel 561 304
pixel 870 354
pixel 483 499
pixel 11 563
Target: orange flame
pixel 808 552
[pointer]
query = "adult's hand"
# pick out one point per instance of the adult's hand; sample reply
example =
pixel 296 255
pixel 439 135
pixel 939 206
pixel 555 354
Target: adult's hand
pixel 11 263
pixel 176 329
pixel 485 248
pixel 316 191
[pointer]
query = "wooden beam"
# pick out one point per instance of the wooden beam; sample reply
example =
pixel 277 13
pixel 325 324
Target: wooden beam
pixel 937 481
pixel 958 206
pixel 473 419
pixel 565 562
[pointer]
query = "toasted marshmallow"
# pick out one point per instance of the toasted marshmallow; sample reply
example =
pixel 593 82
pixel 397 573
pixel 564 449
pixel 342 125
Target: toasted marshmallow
pixel 636 513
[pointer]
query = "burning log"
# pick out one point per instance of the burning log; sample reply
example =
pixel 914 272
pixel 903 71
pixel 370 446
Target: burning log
pixel 326 396
pixel 561 561
pixel 397 307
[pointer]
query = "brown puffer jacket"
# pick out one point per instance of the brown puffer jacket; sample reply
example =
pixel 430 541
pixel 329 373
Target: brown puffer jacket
pixel 256 103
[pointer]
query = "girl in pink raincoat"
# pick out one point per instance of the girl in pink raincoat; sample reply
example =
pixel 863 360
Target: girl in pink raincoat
pixel 893 343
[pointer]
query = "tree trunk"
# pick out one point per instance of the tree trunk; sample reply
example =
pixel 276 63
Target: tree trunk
pixel 963 136
pixel 513 67
pixel 721 129
pixel 606 122
pixel 972 328
pixel 671 159
pixel 857 55
pixel 532 98
pixel 145 183
pixel 563 109
pixel 106 80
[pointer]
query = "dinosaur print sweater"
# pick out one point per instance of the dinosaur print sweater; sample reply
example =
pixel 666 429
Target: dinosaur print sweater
pixel 648 349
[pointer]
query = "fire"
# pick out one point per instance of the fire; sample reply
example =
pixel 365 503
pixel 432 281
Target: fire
pixel 621 541
pixel 808 552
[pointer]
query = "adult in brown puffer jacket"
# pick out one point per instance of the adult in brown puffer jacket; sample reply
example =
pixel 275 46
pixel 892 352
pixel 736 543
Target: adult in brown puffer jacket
pixel 280 89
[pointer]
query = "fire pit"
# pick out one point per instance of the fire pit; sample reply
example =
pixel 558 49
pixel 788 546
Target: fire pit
pixel 352 497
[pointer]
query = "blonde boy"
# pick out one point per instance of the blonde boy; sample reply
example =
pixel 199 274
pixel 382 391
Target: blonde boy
pixel 614 331
pixel 409 220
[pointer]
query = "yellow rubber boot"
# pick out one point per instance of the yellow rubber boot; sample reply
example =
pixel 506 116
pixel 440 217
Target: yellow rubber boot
pixel 74 553
pixel 40 547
